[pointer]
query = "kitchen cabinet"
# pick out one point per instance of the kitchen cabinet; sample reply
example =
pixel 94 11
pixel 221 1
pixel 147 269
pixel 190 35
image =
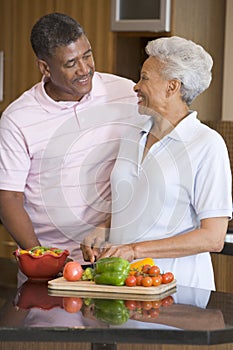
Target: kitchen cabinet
pixel 7 244
pixel 114 52
pixel 200 21
pixel 223 267
pixel 16 20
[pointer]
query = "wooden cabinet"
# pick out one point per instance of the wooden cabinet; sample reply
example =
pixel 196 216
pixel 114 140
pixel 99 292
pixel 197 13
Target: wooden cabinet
pixel 16 21
pixel 121 53
pixel 7 244
pixel 223 267
pixel 200 21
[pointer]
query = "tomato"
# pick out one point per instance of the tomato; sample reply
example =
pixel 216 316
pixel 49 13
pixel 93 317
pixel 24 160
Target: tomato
pixel 139 280
pixel 72 304
pixel 167 301
pixel 131 304
pixel 154 270
pixel 154 313
pixel 146 268
pixel 167 277
pixel 147 305
pixel 138 304
pixel 156 280
pixel 156 304
pixel 72 271
pixel 145 314
pixel 130 281
pixel 147 281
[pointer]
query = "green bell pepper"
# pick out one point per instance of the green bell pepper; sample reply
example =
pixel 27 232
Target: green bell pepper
pixel 112 271
pixel 111 311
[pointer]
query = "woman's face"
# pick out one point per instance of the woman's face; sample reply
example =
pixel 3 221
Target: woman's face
pixel 152 87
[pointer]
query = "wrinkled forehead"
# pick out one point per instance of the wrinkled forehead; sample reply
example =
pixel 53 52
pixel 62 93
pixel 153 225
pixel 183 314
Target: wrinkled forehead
pixel 152 65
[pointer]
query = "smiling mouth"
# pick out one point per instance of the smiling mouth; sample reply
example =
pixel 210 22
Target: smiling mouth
pixel 140 99
pixel 84 79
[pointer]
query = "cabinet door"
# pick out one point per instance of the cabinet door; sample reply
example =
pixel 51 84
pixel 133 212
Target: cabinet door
pixel 20 68
pixel 7 245
pixel 223 267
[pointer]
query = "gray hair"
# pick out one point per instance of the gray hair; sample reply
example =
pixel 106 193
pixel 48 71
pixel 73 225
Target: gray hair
pixel 185 61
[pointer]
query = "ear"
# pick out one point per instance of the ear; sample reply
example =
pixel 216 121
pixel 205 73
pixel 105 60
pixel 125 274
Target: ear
pixel 43 67
pixel 173 87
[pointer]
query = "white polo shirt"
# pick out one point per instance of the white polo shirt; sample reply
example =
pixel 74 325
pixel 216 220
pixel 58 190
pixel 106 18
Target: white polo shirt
pixel 60 154
pixel 184 178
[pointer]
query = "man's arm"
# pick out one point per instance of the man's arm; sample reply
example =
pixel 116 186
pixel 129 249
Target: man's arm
pixel 16 220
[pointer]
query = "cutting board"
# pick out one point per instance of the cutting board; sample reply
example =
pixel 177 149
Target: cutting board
pixel 64 287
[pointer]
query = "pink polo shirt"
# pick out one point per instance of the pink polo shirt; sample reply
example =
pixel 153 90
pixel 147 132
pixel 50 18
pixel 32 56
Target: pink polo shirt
pixel 60 154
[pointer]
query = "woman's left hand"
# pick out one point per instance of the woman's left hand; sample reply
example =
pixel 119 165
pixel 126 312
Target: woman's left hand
pixel 124 251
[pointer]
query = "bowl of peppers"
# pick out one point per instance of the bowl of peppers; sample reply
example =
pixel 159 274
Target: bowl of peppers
pixel 41 263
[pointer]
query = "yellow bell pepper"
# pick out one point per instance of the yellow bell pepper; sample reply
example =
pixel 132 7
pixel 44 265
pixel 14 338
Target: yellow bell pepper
pixel 138 265
pixel 23 251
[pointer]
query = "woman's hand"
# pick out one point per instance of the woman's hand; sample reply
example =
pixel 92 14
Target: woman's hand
pixel 125 251
pixel 92 244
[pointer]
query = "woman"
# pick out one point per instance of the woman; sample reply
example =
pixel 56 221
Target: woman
pixel 171 184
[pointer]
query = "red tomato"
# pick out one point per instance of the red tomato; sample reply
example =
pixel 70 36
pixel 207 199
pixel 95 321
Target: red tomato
pixel 146 268
pixel 156 304
pixel 139 304
pixel 156 280
pixel 154 270
pixel 167 301
pixel 130 281
pixel 146 305
pixel 72 304
pixel 154 313
pixel 147 281
pixel 131 304
pixel 139 280
pixel 72 271
pixel 167 277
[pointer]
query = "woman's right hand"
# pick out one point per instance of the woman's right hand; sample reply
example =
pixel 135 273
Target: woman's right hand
pixel 93 244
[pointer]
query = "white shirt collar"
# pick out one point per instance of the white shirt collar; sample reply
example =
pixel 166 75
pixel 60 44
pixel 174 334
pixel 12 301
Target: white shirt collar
pixel 184 131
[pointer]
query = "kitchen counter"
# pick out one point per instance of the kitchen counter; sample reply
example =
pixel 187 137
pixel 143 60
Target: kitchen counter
pixel 182 316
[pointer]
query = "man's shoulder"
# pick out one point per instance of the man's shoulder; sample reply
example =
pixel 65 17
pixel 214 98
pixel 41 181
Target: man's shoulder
pixel 25 100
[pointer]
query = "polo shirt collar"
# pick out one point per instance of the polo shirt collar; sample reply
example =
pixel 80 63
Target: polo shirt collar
pixel 184 131
pixel 98 89
pixel 186 128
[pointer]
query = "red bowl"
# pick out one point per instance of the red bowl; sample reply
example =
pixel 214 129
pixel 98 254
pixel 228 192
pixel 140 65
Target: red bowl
pixel 42 267
pixel 34 294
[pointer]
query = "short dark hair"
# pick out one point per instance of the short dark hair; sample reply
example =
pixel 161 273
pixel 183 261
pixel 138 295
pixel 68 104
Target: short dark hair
pixel 54 30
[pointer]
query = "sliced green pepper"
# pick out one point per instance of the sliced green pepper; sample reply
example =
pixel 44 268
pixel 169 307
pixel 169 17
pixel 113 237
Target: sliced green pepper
pixel 111 271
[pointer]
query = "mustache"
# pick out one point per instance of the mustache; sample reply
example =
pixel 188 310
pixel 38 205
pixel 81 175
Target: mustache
pixel 90 74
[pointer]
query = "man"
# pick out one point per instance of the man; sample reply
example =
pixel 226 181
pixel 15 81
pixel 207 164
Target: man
pixel 59 139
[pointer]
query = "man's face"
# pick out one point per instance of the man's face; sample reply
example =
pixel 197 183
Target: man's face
pixel 69 71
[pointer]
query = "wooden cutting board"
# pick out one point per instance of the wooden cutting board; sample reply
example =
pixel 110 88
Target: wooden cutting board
pixel 61 284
